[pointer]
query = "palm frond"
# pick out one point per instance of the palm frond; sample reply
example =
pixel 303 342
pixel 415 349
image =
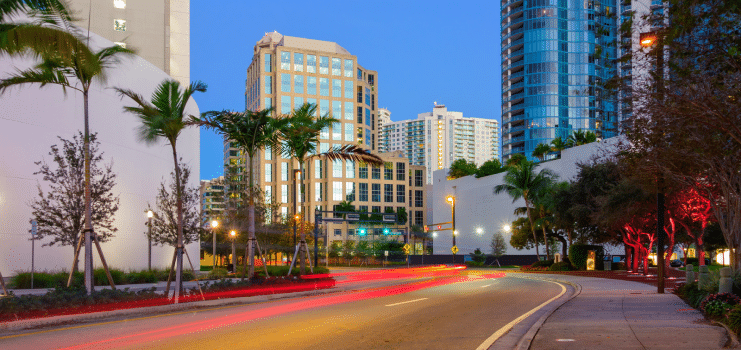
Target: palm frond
pixel 353 153
pixel 57 8
pixel 40 41
pixel 39 76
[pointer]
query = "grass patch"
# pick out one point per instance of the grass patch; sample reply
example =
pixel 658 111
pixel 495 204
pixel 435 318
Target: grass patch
pixel 710 268
pixel 22 280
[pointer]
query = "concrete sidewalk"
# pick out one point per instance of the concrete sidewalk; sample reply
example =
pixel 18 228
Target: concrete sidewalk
pixel 616 314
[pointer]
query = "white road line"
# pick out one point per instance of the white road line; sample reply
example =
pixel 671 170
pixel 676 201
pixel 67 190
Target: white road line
pixel 489 341
pixel 486 286
pixel 405 302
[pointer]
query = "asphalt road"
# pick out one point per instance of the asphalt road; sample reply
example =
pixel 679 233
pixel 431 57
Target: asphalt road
pixel 445 312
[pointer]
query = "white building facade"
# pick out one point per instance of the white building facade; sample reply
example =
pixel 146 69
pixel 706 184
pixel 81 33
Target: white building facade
pixel 436 139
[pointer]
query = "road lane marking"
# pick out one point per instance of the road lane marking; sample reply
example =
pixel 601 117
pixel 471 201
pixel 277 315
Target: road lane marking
pixel 490 341
pixel 486 286
pixel 406 302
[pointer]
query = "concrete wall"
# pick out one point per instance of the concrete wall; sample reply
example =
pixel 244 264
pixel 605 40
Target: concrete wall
pixel 30 121
pixel 478 207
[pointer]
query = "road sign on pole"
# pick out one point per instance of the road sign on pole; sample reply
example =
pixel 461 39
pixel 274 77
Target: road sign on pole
pixel 454 249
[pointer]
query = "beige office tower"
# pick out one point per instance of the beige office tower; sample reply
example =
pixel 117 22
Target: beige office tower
pixel 159 30
pixel 287 72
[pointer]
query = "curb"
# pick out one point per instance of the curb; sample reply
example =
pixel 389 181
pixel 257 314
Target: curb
pixel 732 342
pixel 153 310
pixel 527 339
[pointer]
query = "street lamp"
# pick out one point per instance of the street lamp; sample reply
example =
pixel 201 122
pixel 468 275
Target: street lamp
pixel 150 215
pixel 479 231
pixel 233 234
pixel 506 228
pixel 214 225
pixel 451 200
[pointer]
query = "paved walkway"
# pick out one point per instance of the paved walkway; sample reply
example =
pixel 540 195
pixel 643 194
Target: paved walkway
pixel 615 314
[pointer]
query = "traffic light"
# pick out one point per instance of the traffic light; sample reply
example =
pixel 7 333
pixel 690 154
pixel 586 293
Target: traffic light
pixel 427 228
pixel 362 232
pixel 386 231
pixel 439 227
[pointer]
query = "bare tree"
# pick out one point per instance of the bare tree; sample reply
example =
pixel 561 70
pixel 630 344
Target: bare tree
pixel 498 245
pixel 165 223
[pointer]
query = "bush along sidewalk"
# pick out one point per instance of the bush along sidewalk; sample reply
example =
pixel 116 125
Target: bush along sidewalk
pixel 22 280
pixel 74 300
pixel 704 295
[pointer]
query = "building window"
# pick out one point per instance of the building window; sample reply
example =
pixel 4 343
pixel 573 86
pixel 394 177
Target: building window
pixel 337 169
pixel 268 102
pixel 363 192
pixel 119 25
pixel 348 89
pixel 336 66
pixel 324 135
pixel 337 109
pixel 268 153
pixel 285 104
pixel 388 193
pixel 350 191
pixel 418 199
pixel 284 193
pixel 284 171
pixel 268 84
pixel 298 84
pixel 418 178
pixel 375 192
pixel 337 232
pixel 348 111
pixel 376 173
pixel 268 172
pixel 367 96
pixel 311 85
pixel 400 171
pixel 337 190
pixel 323 65
pixel 318 168
pixel 285 60
pixel 268 63
pixel 350 133
pixel 298 101
pixel 360 74
pixel 348 68
pixel 298 62
pixel 337 89
pixel 323 87
pixel 388 171
pixel 337 131
pixel 318 190
pixel 400 193
pixel 311 63
pixel 284 212
pixel 418 218
pixel 350 232
pixel 368 118
pixel 323 107
pixel 363 171
pixel 119 4
pixel 285 82
pixel 349 169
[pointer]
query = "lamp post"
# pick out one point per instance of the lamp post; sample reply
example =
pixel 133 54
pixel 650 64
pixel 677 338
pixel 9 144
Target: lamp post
pixel 479 231
pixel 150 215
pixel 233 234
pixel 451 200
pixel 650 39
pixel 214 225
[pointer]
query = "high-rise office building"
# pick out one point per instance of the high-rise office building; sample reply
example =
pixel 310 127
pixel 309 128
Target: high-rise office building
pixel 436 139
pixel 213 201
pixel 287 72
pixel 384 117
pixel 555 57
pixel 159 30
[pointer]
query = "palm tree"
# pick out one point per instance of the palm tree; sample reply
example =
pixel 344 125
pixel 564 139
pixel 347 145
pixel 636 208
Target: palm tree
pixel 300 140
pixel 77 70
pixel 558 145
pixel 581 137
pixel 252 132
pixel 460 168
pixel 165 117
pixel 541 151
pixel 49 32
pixel 522 182
pixel 515 160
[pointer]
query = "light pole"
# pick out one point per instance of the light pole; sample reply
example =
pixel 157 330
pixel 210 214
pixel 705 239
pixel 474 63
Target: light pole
pixel 647 40
pixel 214 225
pixel 451 200
pixel 150 215
pixel 233 234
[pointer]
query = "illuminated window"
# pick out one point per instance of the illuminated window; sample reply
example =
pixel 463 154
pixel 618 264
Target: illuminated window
pixel 119 4
pixel 119 25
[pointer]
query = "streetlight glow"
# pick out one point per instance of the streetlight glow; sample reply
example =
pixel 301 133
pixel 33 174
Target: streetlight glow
pixel 214 224
pixel 450 199
pixel 150 214
pixel 506 228
pixel 455 233
pixel 233 233
pixel 434 234
pixel 479 230
pixel 648 39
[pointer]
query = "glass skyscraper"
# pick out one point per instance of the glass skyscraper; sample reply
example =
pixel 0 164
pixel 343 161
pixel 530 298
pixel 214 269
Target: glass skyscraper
pixel 556 54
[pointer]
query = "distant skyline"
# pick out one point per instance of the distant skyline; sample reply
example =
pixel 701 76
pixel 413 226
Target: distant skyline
pixel 422 54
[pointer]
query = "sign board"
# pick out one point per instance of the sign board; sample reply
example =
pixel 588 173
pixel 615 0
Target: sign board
pixel 407 249
pixel 353 217
pixel 418 247
pixel 333 219
pixel 389 218
pixel 454 249
pixel 386 252
pixel 591 258
pixel 34 228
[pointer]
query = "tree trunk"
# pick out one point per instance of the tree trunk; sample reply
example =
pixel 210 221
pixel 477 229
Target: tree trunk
pixel 532 226
pixel 545 239
pixel 700 245
pixel 88 230
pixel 250 253
pixel 302 251
pixel 179 245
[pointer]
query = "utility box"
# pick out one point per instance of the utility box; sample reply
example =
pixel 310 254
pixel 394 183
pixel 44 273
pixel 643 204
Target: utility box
pixel 591 260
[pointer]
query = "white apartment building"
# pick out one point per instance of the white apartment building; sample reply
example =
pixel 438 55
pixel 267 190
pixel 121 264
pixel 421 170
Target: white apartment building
pixel 436 139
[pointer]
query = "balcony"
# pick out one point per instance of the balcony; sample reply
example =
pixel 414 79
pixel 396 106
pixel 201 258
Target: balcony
pixel 517 31
pixel 513 140
pixel 513 151
pixel 515 129
pixel 514 118
pixel 513 22
pixel 515 43
pixel 513 54
pixel 514 86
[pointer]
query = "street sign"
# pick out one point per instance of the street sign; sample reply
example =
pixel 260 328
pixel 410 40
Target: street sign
pixel 353 217
pixel 386 252
pixel 407 249
pixel 34 228
pixel 454 250
pixel 389 218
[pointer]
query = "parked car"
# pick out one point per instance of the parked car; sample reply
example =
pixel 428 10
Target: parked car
pixel 676 263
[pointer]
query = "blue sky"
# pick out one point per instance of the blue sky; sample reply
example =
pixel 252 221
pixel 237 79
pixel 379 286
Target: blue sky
pixel 442 51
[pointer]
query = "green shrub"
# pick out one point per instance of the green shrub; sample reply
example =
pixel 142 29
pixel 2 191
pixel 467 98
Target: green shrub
pixel 542 263
pixel 22 280
pixel 578 254
pixel 217 274
pixel 561 266
pixel 716 304
pixel 474 263
pixel 734 318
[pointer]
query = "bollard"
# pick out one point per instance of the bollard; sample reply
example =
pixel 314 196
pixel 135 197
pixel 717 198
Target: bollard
pixel 690 272
pixel 726 283
pixel 703 280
